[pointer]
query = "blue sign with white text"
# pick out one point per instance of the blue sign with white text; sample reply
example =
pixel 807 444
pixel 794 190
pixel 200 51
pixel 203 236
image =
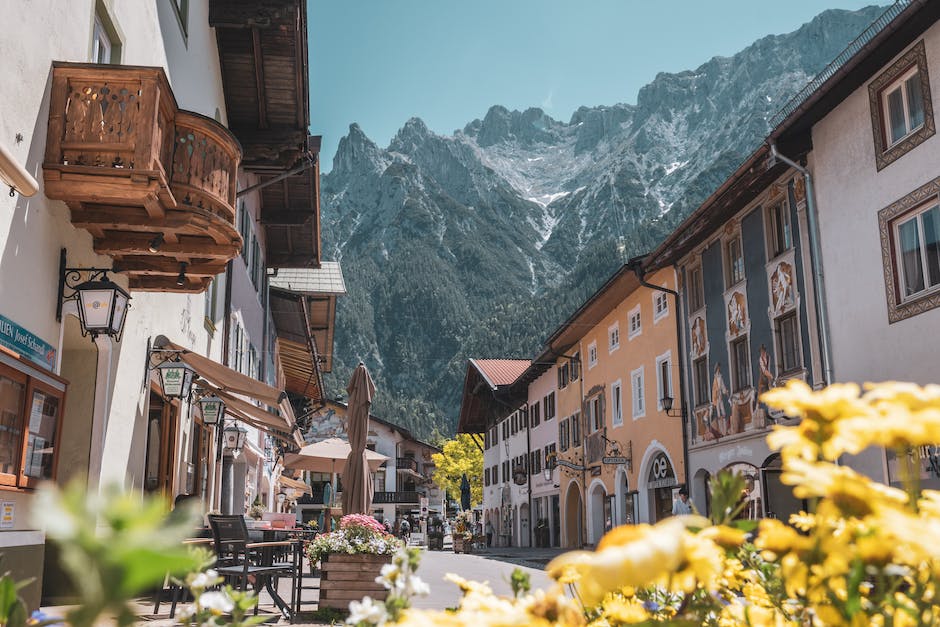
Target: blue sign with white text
pixel 27 344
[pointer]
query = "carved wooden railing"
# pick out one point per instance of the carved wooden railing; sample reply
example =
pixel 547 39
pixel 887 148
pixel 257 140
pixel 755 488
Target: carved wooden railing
pixel 134 167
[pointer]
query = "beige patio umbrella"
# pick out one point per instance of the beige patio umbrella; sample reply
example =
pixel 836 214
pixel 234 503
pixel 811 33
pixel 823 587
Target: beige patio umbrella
pixel 328 456
pixel 357 488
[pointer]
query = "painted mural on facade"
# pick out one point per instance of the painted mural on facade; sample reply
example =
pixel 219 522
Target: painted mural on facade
pixel 760 321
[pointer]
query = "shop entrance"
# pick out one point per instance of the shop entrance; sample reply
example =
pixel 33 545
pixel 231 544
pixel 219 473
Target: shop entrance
pixel 161 446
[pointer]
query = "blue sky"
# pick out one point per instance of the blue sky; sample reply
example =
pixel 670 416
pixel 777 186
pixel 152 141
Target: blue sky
pixel 380 62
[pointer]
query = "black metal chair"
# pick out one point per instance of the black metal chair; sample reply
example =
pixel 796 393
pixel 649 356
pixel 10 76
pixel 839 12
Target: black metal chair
pixel 239 559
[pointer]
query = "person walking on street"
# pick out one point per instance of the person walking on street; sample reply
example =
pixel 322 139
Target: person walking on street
pixel 405 529
pixel 489 534
pixel 682 506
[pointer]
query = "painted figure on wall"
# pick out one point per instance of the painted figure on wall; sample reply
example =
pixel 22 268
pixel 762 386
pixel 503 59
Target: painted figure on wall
pixel 766 379
pixel 719 394
pixel 737 314
pixel 699 338
pixel 781 287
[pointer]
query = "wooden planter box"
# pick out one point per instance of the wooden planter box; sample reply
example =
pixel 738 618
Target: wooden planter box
pixel 348 578
pixel 461 545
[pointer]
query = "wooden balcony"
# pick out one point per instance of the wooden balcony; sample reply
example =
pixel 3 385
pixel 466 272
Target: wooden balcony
pixel 132 166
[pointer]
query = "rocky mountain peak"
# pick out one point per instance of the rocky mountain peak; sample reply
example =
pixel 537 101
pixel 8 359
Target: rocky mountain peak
pixel 483 241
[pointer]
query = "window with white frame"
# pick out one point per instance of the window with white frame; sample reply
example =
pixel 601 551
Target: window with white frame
pixel 900 101
pixel 660 306
pixel 663 378
pixel 616 403
pixel 636 393
pixel 592 355
pixel 734 261
pixel 696 289
pixel 635 322
pixel 105 43
pixel 903 105
pixel 917 243
pixel 780 237
pixel 613 337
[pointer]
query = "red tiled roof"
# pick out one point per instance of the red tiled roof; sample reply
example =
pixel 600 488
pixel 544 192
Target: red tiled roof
pixel 501 372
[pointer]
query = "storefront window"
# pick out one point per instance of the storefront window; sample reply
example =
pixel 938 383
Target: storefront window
pixel 30 413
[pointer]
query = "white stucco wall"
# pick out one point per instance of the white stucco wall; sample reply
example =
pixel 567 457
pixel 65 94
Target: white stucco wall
pixel 850 192
pixel 32 230
pixel 544 434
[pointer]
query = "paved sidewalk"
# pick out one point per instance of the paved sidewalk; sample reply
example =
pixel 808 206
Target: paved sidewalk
pixel 492 565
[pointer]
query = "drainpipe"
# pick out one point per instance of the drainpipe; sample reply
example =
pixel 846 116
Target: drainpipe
pixel 822 309
pixel 528 448
pixel 636 264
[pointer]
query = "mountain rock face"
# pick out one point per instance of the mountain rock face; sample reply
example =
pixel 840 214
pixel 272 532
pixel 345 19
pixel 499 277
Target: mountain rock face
pixel 480 243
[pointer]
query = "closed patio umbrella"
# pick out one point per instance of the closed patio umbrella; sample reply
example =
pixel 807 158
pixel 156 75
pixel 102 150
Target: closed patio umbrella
pixel 357 488
pixel 464 492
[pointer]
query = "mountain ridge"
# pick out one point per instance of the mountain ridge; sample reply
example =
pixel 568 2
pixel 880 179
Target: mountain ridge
pixel 479 243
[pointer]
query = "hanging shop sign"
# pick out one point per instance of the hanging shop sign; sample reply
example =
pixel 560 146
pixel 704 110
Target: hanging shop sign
pixel 661 473
pixel 615 460
pixel 565 463
pixel 27 344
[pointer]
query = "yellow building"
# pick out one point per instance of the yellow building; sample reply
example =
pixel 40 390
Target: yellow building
pixel 620 453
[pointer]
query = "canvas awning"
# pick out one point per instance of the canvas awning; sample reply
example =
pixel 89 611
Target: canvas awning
pixel 222 377
pixel 294 484
pixel 238 391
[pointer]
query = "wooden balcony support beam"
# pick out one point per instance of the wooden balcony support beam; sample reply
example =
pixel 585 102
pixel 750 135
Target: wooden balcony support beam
pixel 139 244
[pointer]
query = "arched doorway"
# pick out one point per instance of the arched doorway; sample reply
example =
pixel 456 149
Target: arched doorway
pixel 625 500
pixel 753 490
pixel 597 496
pixel 524 525
pixel 660 482
pixel 700 495
pixel 574 534
pixel 779 502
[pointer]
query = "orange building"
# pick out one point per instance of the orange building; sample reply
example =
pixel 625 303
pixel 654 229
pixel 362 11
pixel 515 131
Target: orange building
pixel 620 454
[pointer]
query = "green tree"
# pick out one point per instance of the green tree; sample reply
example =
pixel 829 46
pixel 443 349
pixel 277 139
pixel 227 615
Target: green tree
pixel 459 456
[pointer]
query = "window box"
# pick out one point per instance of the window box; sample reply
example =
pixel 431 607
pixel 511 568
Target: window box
pixel 901 107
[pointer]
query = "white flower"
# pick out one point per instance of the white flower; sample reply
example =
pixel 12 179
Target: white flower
pixel 217 602
pixel 206 579
pixel 415 586
pixel 368 611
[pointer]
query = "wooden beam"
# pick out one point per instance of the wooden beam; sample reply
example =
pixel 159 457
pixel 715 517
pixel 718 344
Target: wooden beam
pixel 156 266
pixel 139 243
pixel 259 78
pixel 131 218
pixel 192 285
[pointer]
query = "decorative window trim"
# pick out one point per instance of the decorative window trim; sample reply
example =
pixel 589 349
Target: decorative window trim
pixel 611 347
pixel 897 309
pixel 727 267
pixel 886 155
pixel 592 354
pixel 635 313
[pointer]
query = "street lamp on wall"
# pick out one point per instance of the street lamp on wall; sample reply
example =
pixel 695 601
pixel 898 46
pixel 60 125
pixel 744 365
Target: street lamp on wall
pixel 666 403
pixel 176 379
pixel 213 409
pixel 233 438
pixel 102 304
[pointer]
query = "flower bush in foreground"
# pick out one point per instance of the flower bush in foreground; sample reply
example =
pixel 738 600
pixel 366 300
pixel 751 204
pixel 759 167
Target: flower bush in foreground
pixel 357 533
pixel 866 553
